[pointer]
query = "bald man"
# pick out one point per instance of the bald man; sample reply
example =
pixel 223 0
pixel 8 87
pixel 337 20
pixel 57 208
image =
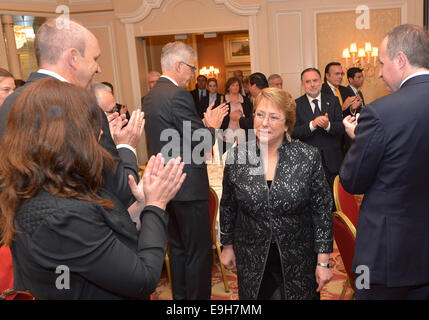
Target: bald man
pixel 71 54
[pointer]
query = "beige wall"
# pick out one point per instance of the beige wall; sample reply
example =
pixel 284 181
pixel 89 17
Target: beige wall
pixel 283 34
pixel 334 28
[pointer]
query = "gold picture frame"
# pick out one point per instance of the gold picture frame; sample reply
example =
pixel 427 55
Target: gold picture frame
pixel 237 49
pixel 229 71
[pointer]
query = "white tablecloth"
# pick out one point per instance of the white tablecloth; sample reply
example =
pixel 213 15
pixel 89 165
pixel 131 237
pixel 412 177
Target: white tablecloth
pixel 215 172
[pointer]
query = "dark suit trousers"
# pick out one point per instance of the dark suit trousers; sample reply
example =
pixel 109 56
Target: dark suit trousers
pixel 382 292
pixel 190 249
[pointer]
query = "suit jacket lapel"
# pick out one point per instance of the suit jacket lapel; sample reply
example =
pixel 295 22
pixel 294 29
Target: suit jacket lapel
pixel 325 105
pixel 307 108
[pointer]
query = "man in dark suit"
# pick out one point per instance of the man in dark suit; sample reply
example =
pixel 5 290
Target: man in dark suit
pixel 332 85
pixel 388 163
pixel 70 54
pixel 319 122
pixel 172 128
pixel 200 93
pixel 356 79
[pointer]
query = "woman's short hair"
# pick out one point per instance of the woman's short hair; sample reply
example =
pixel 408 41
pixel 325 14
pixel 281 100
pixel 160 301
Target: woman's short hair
pixel 283 100
pixel 231 81
pixel 52 134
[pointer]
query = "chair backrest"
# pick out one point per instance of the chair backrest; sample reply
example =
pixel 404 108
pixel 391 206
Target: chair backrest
pixel 214 209
pixel 345 202
pixel 6 269
pixel 345 236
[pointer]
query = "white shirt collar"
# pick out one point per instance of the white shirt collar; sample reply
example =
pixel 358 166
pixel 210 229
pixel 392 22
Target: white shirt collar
pixel 414 75
pixel 52 74
pixel 172 80
pixel 310 100
pixel 332 87
pixel 354 89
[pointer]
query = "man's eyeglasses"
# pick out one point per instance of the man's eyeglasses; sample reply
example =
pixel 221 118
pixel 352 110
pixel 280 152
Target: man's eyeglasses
pixel 193 68
pixel 113 110
pixel 271 117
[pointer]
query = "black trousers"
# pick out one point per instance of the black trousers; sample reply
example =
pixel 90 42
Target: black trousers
pixel 272 287
pixel 382 292
pixel 190 249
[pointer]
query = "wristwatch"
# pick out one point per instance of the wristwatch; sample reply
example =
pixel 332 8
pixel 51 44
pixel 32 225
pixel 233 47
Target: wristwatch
pixel 325 265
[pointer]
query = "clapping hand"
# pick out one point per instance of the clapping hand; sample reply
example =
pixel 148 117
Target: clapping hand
pixel 161 183
pixel 213 117
pixel 350 124
pixel 130 134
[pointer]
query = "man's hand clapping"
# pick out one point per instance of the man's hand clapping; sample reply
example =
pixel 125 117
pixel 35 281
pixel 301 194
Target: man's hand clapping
pixel 130 134
pixel 213 117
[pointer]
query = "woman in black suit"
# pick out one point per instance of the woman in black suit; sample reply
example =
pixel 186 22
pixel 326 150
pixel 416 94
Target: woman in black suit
pixel 65 231
pixel 238 121
pixel 275 211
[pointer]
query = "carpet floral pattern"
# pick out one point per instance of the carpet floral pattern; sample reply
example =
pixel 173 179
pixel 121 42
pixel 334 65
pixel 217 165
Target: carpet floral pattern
pixel 331 291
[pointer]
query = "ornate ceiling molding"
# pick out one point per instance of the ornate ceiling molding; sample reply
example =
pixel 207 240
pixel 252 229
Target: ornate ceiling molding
pixel 141 13
pixel 242 10
pixel 147 6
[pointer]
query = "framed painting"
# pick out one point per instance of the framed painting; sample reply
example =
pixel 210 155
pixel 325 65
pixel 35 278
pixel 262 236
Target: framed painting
pixel 237 49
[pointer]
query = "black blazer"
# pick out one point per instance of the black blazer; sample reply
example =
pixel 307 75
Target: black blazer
pixel 106 256
pixel 171 121
pixel 328 143
pixel 199 103
pixel 345 92
pixel 205 103
pixel 388 162
pixel 125 160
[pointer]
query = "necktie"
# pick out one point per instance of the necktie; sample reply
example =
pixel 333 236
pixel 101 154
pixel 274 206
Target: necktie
pixel 201 95
pixel 361 96
pixel 337 93
pixel 316 108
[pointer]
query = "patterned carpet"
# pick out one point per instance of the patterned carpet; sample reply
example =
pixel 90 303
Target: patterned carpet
pixel 331 291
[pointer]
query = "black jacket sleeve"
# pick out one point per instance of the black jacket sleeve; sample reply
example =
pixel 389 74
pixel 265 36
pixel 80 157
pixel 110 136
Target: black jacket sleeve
pixel 116 180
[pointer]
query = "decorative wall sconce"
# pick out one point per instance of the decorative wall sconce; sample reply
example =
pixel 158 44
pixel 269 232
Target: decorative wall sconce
pixel 362 57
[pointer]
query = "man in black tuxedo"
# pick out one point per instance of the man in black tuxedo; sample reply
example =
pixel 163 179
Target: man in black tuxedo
pixel 388 163
pixel 332 85
pixel 319 122
pixel 70 54
pixel 174 128
pixel 200 93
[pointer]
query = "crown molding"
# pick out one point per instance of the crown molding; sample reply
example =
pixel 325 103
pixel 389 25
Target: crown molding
pixel 147 6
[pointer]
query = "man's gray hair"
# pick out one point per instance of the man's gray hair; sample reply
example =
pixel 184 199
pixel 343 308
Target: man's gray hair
pixel 272 77
pixel 413 41
pixel 51 41
pixel 173 52
pixel 97 86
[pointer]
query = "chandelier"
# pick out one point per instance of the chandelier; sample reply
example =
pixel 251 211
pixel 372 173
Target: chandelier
pixel 364 58
pixel 210 72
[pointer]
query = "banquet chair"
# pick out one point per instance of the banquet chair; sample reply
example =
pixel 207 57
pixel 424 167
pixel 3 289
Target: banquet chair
pixel 345 236
pixel 345 202
pixel 214 210
pixel 6 278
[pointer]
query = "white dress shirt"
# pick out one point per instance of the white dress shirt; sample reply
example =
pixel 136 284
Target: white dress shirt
pixel 319 99
pixel 57 76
